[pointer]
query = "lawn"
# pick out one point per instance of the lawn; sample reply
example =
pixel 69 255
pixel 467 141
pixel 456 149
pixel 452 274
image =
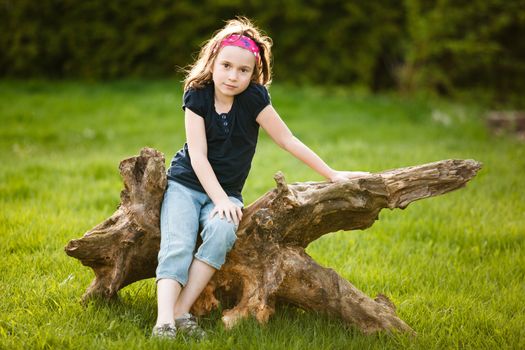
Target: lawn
pixel 454 265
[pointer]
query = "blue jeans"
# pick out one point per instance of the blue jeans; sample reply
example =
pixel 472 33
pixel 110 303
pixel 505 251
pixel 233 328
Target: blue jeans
pixel 184 211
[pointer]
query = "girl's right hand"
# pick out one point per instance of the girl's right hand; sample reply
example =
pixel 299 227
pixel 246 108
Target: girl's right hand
pixel 226 208
pixel 339 176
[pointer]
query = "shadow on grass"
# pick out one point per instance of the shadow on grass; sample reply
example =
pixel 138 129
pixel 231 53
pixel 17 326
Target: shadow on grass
pixel 134 312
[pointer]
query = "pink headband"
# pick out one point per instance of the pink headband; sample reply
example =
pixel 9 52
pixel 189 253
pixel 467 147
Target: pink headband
pixel 242 41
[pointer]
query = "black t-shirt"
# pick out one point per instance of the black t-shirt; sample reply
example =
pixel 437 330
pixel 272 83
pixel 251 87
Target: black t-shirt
pixel 231 137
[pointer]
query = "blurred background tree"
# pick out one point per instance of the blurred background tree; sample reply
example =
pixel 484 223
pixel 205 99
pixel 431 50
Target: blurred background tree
pixel 444 46
pixel 460 45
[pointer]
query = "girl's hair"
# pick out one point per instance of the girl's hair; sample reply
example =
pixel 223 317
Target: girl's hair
pixel 199 73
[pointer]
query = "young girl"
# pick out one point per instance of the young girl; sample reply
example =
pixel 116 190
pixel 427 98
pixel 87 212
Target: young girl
pixel 225 101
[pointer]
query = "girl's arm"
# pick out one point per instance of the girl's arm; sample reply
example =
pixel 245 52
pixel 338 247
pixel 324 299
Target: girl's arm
pixel 270 121
pixel 198 149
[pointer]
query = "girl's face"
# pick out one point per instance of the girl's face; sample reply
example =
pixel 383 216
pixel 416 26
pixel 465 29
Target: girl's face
pixel 232 70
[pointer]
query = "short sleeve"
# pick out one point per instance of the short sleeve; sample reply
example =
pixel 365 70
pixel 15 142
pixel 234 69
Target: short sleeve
pixel 194 100
pixel 259 98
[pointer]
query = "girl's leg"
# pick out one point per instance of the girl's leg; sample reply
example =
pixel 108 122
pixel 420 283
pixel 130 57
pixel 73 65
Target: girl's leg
pixel 179 224
pixel 218 237
pixel 199 276
pixel 168 291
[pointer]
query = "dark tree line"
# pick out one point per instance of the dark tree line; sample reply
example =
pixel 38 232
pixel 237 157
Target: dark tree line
pixel 440 45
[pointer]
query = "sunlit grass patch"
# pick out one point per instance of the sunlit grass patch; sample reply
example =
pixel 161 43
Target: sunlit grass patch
pixel 453 265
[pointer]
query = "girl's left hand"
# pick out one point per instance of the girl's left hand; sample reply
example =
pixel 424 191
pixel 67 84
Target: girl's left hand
pixel 339 176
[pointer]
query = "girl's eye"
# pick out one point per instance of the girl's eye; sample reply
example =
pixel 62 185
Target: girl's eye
pixel 226 65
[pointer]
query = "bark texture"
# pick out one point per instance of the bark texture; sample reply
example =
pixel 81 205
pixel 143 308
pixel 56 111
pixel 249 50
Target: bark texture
pixel 268 263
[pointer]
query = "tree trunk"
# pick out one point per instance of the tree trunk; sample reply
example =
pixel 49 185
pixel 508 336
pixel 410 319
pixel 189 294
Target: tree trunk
pixel 268 263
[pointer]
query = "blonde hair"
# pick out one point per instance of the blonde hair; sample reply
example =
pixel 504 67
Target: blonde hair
pixel 199 73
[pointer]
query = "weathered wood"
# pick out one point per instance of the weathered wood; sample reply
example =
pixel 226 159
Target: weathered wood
pixel 268 263
pixel 123 249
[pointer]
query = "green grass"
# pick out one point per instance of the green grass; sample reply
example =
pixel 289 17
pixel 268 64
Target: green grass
pixel 454 265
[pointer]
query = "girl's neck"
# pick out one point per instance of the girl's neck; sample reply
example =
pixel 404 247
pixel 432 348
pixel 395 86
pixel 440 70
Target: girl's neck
pixel 223 104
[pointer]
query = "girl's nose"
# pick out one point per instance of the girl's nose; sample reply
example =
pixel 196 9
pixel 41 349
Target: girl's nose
pixel 232 75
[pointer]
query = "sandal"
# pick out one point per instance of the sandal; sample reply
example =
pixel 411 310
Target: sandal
pixel 187 324
pixel 164 331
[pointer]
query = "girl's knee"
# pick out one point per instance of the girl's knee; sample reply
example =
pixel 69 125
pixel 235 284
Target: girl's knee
pixel 218 239
pixel 220 232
